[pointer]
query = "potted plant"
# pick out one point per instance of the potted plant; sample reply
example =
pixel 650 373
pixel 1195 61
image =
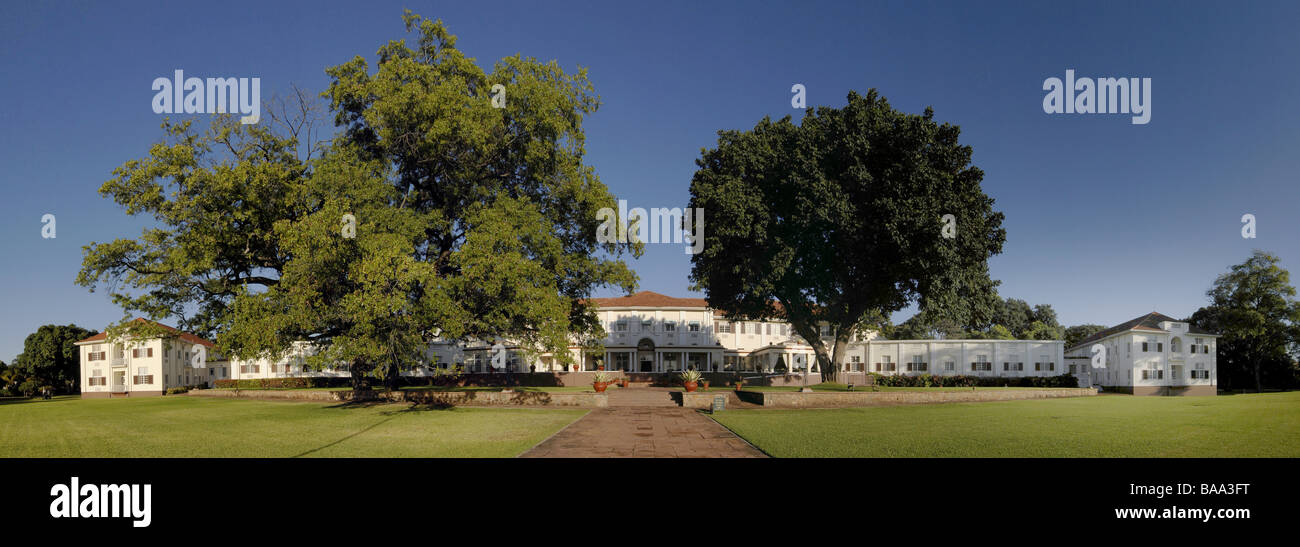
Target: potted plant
pixel 704 384
pixel 690 379
pixel 622 383
pixel 601 382
pixel 739 383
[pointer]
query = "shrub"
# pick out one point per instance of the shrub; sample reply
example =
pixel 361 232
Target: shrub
pixel 930 380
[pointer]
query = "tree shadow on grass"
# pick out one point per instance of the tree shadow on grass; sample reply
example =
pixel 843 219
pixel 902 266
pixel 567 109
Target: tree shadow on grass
pixel 358 432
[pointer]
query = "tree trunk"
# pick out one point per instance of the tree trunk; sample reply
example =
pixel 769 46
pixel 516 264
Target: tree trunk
pixel 1259 385
pixel 360 382
pixel 826 365
pixel 390 377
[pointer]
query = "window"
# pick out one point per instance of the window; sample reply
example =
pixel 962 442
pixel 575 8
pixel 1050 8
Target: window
pixel 742 328
pixel 826 330
pixel 1175 345
pixel 620 326
pixel 1160 347
pixel 949 365
pixel 886 361
pixel 1144 347
pixel 647 326
pixel 671 326
pixel 694 326
pixel 917 365
pixel 142 376
pixel 769 329
pixel 722 326
pixel 785 330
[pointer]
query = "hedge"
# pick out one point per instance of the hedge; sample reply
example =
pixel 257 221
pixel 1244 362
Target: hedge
pixel 932 380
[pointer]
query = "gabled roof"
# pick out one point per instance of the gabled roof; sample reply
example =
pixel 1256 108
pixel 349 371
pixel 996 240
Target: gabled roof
pixel 650 299
pixel 103 336
pixel 1149 323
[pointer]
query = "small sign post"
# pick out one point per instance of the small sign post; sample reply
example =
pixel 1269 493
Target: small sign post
pixel 719 403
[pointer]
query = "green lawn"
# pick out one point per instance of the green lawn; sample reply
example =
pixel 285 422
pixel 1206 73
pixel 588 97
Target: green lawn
pixel 1253 425
pixel 178 426
pixel 546 389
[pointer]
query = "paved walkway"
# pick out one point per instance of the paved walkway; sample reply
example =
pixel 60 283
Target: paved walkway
pixel 643 423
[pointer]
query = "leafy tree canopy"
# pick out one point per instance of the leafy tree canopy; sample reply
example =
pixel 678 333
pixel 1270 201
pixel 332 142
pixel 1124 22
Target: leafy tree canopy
pixel 1254 308
pixel 470 221
pixel 49 357
pixel 842 216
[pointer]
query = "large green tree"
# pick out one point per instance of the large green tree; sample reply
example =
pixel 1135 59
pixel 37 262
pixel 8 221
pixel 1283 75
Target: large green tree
pixel 470 221
pixel 1254 308
pixel 49 357
pixel 1078 333
pixel 842 216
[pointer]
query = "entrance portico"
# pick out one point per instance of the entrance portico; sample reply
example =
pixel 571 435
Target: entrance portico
pixel 647 357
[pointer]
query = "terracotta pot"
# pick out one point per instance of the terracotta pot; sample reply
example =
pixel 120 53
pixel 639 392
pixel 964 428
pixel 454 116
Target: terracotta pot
pixel 600 386
pixel 739 387
pixel 601 367
pixel 704 385
pixel 690 386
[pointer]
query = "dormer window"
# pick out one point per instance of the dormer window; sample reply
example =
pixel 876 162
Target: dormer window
pixel 670 326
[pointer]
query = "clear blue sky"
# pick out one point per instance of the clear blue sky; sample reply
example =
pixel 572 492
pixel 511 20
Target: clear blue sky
pixel 1106 220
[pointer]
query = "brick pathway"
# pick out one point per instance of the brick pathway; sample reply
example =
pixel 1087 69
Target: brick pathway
pixel 650 429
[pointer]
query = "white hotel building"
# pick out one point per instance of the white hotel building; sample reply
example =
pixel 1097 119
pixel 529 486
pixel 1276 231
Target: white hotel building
pixel 1151 355
pixel 145 367
pixel 651 334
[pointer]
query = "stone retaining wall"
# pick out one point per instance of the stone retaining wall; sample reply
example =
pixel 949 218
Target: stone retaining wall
pixel 450 398
pixel 834 399
pixel 703 399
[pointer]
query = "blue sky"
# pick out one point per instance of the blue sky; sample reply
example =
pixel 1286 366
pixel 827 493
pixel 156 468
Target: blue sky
pixel 1106 220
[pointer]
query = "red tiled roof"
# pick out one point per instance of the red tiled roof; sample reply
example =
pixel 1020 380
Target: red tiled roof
pixel 182 335
pixel 651 299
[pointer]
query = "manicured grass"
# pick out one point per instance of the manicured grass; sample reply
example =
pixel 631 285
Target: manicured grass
pixel 546 389
pixel 830 386
pixel 178 426
pixel 1253 425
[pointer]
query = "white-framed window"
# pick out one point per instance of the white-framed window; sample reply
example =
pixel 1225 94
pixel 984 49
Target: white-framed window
pixel 785 329
pixel 694 326
pixel 949 365
pixel 917 364
pixel 620 326
pixel 671 326
pixel 1175 345
pixel 885 364
pixel 826 330
pixel 742 327
pixel 720 326
pixel 647 325
pixel 769 329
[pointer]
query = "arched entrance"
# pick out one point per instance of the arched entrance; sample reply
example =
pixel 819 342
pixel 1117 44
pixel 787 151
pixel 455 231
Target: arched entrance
pixel 645 355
